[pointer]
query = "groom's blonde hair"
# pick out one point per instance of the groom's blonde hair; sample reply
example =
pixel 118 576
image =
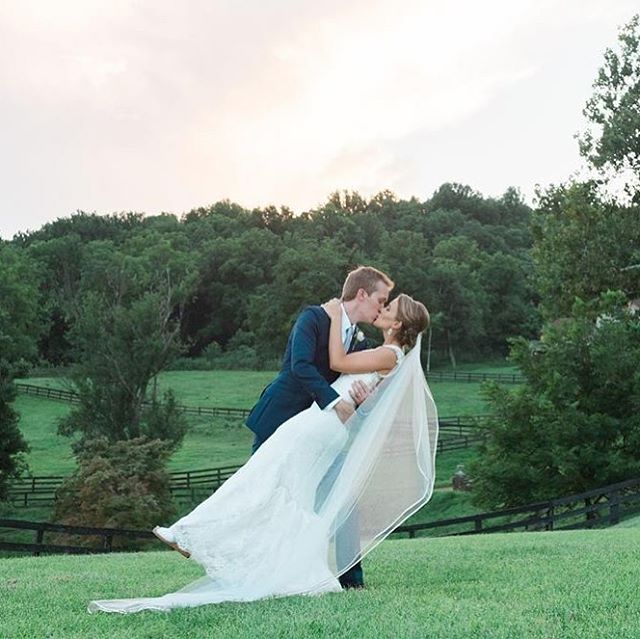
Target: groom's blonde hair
pixel 365 277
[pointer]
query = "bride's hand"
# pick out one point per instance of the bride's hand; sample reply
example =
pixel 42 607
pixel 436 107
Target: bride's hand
pixel 332 307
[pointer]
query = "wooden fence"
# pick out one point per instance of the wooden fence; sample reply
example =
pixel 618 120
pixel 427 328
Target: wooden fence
pixel 595 508
pixel 73 398
pixel 460 376
pixel 188 485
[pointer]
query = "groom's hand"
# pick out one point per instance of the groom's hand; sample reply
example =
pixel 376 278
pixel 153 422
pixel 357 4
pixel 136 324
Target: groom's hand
pixel 359 391
pixel 344 410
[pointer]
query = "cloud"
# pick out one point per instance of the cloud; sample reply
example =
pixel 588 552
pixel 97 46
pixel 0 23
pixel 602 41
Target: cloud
pixel 157 105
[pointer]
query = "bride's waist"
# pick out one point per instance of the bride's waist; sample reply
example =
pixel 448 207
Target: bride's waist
pixel 343 384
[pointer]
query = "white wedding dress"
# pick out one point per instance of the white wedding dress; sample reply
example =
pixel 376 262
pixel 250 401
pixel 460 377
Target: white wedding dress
pixel 313 500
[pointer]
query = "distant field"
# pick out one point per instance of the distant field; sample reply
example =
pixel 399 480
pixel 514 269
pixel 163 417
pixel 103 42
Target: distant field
pixel 241 389
pixel 556 585
pixel 209 442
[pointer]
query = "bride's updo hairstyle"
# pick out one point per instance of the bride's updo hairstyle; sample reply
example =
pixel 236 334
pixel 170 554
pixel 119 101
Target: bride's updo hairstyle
pixel 415 319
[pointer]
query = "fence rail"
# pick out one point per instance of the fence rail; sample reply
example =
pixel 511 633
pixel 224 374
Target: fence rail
pixel 595 508
pixel 460 376
pixel 73 398
pixel 184 485
pixel 599 507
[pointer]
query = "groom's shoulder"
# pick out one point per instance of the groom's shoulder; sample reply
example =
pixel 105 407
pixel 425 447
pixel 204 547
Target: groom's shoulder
pixel 313 313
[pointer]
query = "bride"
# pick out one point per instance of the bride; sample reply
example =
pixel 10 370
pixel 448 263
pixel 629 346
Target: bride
pixel 319 494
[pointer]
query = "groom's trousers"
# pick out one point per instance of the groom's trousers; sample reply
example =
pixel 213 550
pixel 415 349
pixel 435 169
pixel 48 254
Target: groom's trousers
pixel 347 542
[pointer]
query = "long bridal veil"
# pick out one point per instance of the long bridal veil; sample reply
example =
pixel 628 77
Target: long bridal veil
pixel 388 467
pixel 323 501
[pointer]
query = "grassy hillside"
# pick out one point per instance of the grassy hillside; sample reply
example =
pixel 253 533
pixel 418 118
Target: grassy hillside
pixel 569 585
pixel 209 442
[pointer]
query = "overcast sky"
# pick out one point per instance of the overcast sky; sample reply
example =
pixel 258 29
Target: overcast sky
pixel 155 105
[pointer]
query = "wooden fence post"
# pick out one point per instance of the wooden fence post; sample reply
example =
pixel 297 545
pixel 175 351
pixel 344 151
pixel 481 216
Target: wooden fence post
pixel 614 507
pixel 39 538
pixel 550 514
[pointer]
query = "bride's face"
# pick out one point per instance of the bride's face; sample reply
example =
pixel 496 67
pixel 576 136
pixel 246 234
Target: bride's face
pixel 387 318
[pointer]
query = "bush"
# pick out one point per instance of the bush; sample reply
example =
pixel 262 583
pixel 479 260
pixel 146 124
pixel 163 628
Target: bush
pixel 121 484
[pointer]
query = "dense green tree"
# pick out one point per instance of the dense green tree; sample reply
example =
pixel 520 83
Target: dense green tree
pixel 19 326
pixel 574 425
pixel 229 270
pixel 239 256
pixel 612 142
pixel 456 295
pixel 125 333
pixel 305 273
pixel 87 226
pixel 510 300
pixel 583 246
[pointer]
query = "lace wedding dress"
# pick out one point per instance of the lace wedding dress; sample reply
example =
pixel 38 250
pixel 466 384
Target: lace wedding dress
pixel 313 500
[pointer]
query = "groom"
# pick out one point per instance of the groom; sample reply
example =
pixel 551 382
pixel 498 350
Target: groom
pixel 305 376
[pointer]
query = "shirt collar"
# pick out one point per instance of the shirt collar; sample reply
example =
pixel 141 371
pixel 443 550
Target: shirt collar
pixel 346 322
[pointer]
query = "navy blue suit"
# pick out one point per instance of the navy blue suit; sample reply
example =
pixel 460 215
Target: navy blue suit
pixel 304 378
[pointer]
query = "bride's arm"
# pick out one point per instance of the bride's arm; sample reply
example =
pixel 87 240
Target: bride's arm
pixel 368 361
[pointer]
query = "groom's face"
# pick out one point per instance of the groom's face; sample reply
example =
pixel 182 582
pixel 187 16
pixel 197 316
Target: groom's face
pixel 374 303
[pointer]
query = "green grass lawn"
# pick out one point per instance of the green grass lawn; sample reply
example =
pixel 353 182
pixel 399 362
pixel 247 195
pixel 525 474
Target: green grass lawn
pixel 560 585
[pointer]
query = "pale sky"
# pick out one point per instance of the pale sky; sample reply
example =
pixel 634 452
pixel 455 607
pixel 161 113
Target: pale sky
pixel 157 105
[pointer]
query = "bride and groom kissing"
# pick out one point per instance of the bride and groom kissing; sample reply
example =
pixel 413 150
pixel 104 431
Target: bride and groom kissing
pixel 326 482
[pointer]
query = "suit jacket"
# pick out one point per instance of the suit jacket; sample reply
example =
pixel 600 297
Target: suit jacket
pixel 304 378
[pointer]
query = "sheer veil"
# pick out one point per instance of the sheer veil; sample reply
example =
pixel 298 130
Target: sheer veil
pixel 387 465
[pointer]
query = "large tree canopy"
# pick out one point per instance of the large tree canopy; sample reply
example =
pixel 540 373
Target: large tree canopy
pixel 612 141
pixel 19 326
pixel 254 270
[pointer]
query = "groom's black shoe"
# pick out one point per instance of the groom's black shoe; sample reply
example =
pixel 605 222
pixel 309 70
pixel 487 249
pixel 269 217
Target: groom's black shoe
pixel 353 578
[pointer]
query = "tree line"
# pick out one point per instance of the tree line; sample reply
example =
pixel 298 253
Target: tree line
pixel 238 277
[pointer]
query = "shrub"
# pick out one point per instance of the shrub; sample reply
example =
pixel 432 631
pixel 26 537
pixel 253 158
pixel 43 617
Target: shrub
pixel 121 484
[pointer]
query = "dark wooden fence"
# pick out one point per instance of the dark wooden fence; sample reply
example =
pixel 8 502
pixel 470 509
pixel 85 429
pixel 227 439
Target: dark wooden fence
pixel 104 537
pixel 459 376
pixel 595 508
pixel 71 397
pixel 188 485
